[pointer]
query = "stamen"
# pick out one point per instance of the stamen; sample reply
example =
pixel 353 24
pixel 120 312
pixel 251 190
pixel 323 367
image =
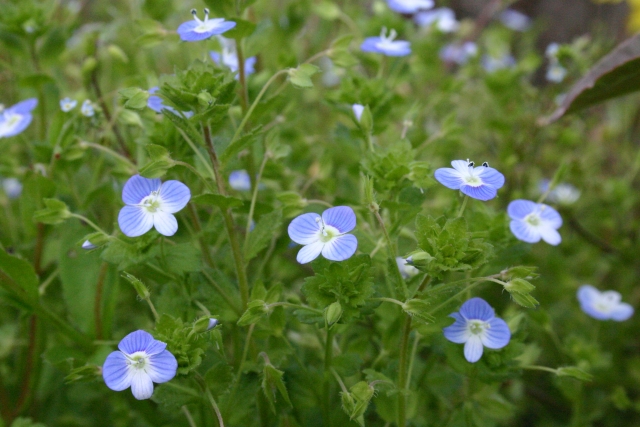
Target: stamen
pixel 470 164
pixel 206 14
pixel 485 164
pixel 194 12
pixel 383 33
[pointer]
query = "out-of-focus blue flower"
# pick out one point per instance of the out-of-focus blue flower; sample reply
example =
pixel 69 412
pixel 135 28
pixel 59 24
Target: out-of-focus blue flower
pixel 562 194
pixel 240 180
pixel 150 203
pixel 555 72
pixel 67 104
pixel 481 182
pixel 409 6
pixel 357 110
pixel 212 323
pixel 443 17
pixel 87 245
pixel 458 53
pixel 325 234
pixel 140 362
pixel 15 119
pixel 605 305
pixel 87 109
pixel 330 74
pixel 196 30
pixel 492 64
pixel 532 221
pixel 476 327
pixel 515 20
pixel 12 187
pixel 155 103
pixel 551 51
pixel 386 44
pixel 406 269
pixel 229 58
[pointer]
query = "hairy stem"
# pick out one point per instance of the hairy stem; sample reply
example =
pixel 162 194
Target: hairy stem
pixel 328 359
pixel 402 373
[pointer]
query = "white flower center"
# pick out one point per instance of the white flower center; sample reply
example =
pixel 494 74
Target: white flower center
pixel 327 232
pixel 137 360
pixel 477 327
pixel 533 219
pixel 386 41
pixel 11 120
pixel 152 202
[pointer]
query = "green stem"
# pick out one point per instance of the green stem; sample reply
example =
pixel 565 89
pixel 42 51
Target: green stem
pixel 392 255
pixel 112 153
pixel 242 78
pixel 319 202
pixel 342 386
pixel 328 359
pixel 402 373
pixel 539 368
pixel 204 247
pixel 298 306
pixel 222 293
pixel 414 351
pixel 468 288
pixel 198 154
pixel 394 301
pixel 212 401
pixel 188 415
pixel 45 284
pixel 254 197
pixel 198 174
pixel 245 351
pixel 153 309
pixel 464 205
pixel 85 219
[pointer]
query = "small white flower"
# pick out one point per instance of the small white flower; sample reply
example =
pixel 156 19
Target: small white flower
pixel 87 109
pixel 68 104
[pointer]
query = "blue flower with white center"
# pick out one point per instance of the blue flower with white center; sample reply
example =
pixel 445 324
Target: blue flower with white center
pixel 443 18
pixel 240 180
pixel 562 194
pixel 12 187
pixel 155 103
pixel 196 30
pixel 532 221
pixel 386 44
pixel 515 20
pixel 357 110
pixel 229 58
pixel 87 109
pixel 458 53
pixel 150 203
pixel 409 6
pixel 67 104
pixel 555 72
pixel 325 234
pixel 605 305
pixel 481 182
pixel 140 362
pixel 476 327
pixel 15 119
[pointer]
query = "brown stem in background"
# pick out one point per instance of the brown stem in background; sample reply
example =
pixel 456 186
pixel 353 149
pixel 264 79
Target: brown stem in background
pixel 107 113
pixel 97 306
pixel 37 253
pixel 28 367
pixel 204 248
pixel 5 404
pixel 591 238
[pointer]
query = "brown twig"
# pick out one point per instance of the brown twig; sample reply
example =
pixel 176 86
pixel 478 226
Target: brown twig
pixel 107 114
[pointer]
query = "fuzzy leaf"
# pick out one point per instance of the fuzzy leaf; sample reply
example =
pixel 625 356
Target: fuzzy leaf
pixel 272 383
pixel 261 235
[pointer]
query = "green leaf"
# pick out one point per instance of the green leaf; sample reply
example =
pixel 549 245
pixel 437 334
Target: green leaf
pixel 26 422
pixel 19 277
pixel 327 10
pixel 187 348
pixel 419 309
pixel 183 124
pixel 241 30
pixel 54 213
pixel 173 395
pixel 301 77
pixel 520 286
pixel 239 144
pixel 524 300
pixel 255 310
pixel 219 378
pixel 137 101
pixel 182 258
pixel 617 74
pixel 272 383
pixel 573 372
pixel 223 202
pixel 261 235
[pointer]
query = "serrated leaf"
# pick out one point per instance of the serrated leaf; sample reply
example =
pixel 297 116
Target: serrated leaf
pixel 524 300
pixel 261 235
pixel 182 258
pixel 239 144
pixel 223 202
pixel 183 124
pixel 219 378
pixel 301 77
pixel 272 383
pixel 55 212
pixel 19 277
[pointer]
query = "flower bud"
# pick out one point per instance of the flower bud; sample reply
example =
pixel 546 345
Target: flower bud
pixel 333 313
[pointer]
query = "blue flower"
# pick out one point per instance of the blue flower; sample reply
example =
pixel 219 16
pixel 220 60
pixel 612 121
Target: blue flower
pixel 531 222
pixel 386 44
pixel 358 109
pixel 140 362
pixel 155 103
pixel 409 6
pixel 515 20
pixel 603 305
pixel 481 182
pixel 150 203
pixel 87 108
pixel 562 194
pixel 67 104
pixel 212 323
pixel 196 30
pixel 492 63
pixel 12 187
pixel 239 180
pixel 229 58
pixel 87 245
pixel 406 269
pixel 16 118
pixel 555 72
pixel 477 327
pixel 443 17
pixel 325 234
pixel 458 53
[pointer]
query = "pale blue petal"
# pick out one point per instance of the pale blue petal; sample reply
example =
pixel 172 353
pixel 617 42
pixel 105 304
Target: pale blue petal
pixel 519 209
pixel 622 312
pixel 162 367
pixel 185 30
pixel 341 217
pixel 116 372
pixel 396 48
pixel 587 294
pixel 409 6
pixel 165 223
pixel 309 252
pixel 24 120
pixel 305 228
pixel 155 103
pixel 549 235
pixel 458 332
pixel 490 176
pixel 174 195
pixel 370 44
pixel 155 347
pixel 550 216
pixel 24 107
pixel 483 192
pixel 137 188
pixel 596 314
pixel 340 248
pixel 141 385
pixel 136 341
pixel 461 166
pixel 134 221
pixel 240 180
pixel 477 309
pixel 473 349
pixel 497 335
pixel 215 56
pixel 249 65
pixel 524 231
pixel 450 178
